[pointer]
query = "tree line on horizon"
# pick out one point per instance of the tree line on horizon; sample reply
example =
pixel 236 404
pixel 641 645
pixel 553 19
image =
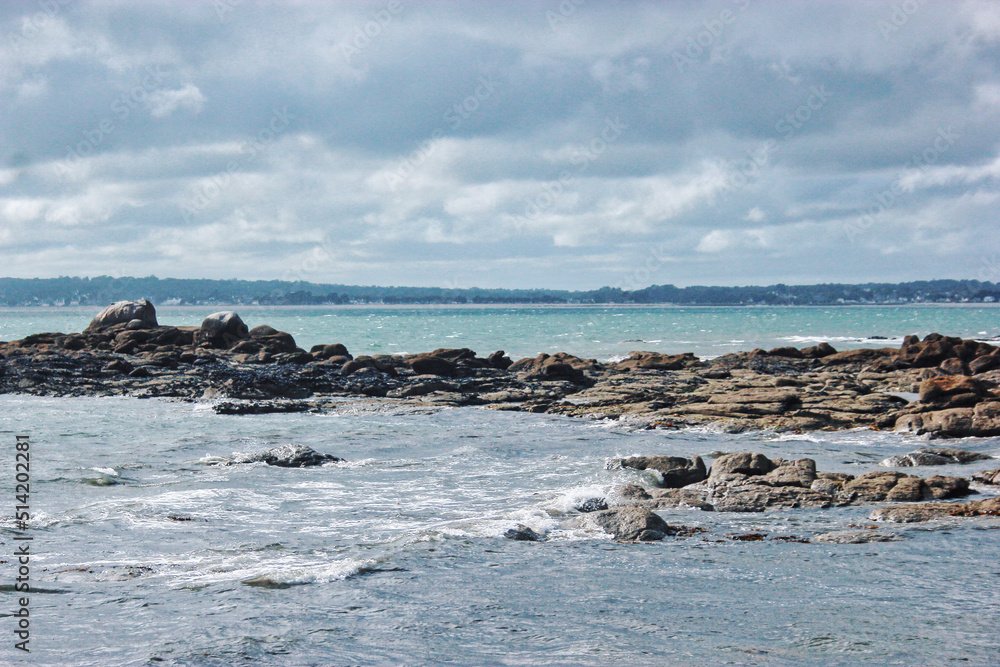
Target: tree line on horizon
pixel 102 290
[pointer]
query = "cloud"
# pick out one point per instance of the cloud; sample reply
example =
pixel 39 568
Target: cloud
pixel 470 142
pixel 164 102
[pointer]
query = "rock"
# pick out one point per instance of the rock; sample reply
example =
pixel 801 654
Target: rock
pixel 123 312
pixel 860 356
pixel 274 341
pixel 296 456
pixel 987 477
pixel 752 497
pixel 499 360
pixel 790 352
pixel 657 361
pixel 914 459
pixel 906 489
pixel 933 457
pixel 939 487
pixel 222 330
pixel 984 363
pixel 676 471
pixel 792 473
pixel 259 407
pixel 954 366
pixel 930 511
pixel 744 463
pixel 981 421
pixel 856 537
pixel 936 389
pixel 426 364
pixel 628 523
pixel 355 365
pixel 872 486
pixel 330 351
pixel 692 497
pixel 118 366
pixel 818 351
pixel 135 325
pixel 591 505
pixel 522 533
pixel 531 365
pixel 628 494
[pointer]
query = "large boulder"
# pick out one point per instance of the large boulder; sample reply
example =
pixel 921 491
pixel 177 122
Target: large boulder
pixel 223 330
pixel 980 421
pixel 124 312
pixel 628 523
pixel 675 471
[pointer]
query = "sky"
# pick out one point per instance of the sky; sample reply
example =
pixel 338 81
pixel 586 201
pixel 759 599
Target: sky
pixel 565 144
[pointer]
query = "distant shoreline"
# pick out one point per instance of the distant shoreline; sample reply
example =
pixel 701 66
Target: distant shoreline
pixel 520 306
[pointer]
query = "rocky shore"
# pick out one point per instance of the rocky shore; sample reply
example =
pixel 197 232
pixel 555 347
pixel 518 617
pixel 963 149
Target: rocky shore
pixel 943 386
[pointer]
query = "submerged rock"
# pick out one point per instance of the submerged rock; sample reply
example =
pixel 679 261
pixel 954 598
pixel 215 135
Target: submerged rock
pixel 857 537
pixel 286 456
pixel 522 533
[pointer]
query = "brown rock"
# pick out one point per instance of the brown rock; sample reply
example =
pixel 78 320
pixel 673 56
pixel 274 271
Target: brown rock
pixel 657 361
pixel 987 477
pixel 872 486
pixel 943 386
pixel 818 351
pixel 426 364
pixel 938 487
pixel 931 511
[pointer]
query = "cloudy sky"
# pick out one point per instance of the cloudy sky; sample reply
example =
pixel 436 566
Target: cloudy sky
pixel 567 144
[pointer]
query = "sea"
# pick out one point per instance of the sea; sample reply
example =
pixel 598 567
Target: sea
pixel 149 547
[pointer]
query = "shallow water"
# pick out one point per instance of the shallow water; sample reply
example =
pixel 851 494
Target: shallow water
pixel 603 332
pixel 152 550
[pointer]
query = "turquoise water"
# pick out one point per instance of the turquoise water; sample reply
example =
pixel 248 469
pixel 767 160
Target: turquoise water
pixel 603 332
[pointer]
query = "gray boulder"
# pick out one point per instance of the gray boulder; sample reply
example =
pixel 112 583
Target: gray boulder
pixel 123 312
pixel 627 523
pixel 223 329
pixel 286 456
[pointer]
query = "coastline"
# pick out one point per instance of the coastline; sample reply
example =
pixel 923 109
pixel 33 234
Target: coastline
pixel 954 381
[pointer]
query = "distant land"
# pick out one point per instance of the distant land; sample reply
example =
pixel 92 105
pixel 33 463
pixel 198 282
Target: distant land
pixel 103 290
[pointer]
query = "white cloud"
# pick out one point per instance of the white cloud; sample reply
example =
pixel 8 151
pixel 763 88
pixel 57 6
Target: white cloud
pixel 164 102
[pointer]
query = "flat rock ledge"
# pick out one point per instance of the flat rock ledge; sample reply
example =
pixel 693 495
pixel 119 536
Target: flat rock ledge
pixel 751 482
pixel 126 351
pixel 988 507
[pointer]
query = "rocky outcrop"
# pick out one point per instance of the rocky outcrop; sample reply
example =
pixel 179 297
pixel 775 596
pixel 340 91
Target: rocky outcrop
pixel 856 537
pixel 983 420
pixel 659 362
pixel 124 312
